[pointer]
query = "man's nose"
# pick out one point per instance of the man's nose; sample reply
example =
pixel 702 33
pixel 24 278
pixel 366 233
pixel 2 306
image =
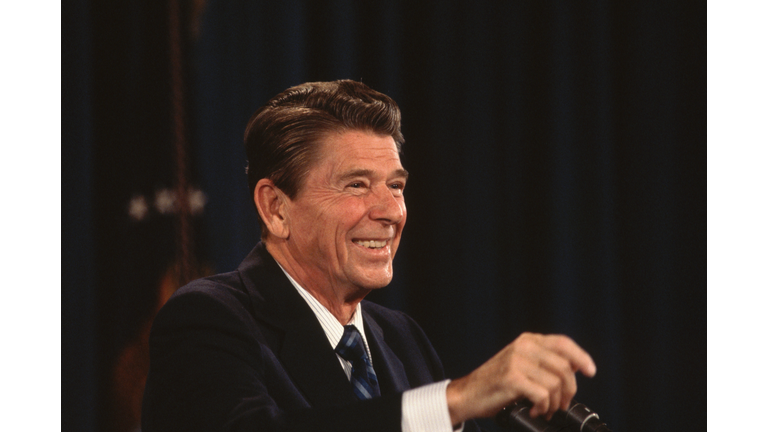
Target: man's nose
pixel 386 207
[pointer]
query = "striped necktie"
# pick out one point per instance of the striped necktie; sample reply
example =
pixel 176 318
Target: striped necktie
pixel 363 379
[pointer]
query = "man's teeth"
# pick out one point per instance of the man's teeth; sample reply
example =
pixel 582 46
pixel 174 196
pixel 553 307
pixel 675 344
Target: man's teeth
pixel 372 244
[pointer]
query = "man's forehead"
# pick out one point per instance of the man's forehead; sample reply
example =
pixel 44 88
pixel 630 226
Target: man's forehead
pixel 360 150
pixel 364 172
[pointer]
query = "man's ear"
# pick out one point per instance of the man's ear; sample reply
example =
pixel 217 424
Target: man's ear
pixel 271 203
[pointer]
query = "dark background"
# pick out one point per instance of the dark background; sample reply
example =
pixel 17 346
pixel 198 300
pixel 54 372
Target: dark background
pixel 557 153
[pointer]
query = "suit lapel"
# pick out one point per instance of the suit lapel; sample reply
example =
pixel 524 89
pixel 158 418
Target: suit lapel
pixel 299 341
pixel 389 369
pixel 308 358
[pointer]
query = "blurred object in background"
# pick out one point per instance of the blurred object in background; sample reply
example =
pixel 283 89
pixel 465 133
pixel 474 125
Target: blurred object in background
pixel 148 206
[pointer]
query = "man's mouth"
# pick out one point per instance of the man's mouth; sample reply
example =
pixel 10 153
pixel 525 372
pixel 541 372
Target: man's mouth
pixel 371 244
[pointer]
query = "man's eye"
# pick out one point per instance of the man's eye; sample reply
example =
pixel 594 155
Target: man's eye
pixel 356 185
pixel 397 186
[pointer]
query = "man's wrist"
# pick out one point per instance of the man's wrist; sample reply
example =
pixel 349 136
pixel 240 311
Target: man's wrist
pixel 453 397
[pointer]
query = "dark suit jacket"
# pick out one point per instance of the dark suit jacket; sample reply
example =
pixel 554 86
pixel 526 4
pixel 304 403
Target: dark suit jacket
pixel 242 351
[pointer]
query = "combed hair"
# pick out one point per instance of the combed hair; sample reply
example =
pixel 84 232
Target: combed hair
pixel 282 137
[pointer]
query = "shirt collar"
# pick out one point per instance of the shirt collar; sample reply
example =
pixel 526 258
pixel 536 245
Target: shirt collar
pixel 331 326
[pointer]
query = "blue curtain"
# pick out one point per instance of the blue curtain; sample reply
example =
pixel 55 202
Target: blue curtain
pixel 557 153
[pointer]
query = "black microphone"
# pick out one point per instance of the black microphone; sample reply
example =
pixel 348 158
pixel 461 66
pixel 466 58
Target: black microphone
pixel 578 418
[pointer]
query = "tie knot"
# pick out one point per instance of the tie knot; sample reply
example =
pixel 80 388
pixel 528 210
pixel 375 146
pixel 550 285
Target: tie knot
pixel 350 347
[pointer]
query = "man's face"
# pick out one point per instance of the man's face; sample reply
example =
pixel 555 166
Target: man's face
pixel 346 221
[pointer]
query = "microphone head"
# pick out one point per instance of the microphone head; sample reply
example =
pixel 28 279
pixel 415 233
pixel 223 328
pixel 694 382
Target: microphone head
pixel 587 420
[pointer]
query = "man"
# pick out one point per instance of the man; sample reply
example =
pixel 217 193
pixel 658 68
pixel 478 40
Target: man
pixel 267 347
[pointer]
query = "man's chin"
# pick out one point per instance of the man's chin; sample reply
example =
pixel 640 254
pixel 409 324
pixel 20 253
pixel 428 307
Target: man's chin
pixel 374 281
pixel 366 271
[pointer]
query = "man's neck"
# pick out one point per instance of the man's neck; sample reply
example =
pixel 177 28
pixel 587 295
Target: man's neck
pixel 340 301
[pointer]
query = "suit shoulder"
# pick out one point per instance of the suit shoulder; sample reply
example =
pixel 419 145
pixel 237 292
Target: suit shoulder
pixel 206 298
pixel 224 286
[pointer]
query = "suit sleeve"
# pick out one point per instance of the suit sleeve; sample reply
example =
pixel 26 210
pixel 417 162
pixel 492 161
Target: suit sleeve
pixel 209 372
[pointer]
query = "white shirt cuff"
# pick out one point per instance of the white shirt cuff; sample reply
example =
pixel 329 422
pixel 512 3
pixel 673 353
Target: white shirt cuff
pixel 426 409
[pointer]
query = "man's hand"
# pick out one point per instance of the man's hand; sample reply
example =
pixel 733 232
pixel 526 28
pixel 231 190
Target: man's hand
pixel 540 368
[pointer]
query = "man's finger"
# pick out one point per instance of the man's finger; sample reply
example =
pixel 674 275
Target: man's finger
pixel 562 367
pixel 579 359
pixel 552 383
pixel 539 397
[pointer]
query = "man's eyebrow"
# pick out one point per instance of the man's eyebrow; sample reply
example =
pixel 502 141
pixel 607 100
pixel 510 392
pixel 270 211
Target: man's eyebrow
pixel 367 173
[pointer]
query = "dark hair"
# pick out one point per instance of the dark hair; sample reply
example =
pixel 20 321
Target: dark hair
pixel 283 136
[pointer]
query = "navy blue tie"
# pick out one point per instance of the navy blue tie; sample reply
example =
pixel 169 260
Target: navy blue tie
pixel 363 379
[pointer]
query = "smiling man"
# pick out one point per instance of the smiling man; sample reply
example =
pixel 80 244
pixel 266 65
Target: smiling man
pixel 337 237
pixel 286 342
